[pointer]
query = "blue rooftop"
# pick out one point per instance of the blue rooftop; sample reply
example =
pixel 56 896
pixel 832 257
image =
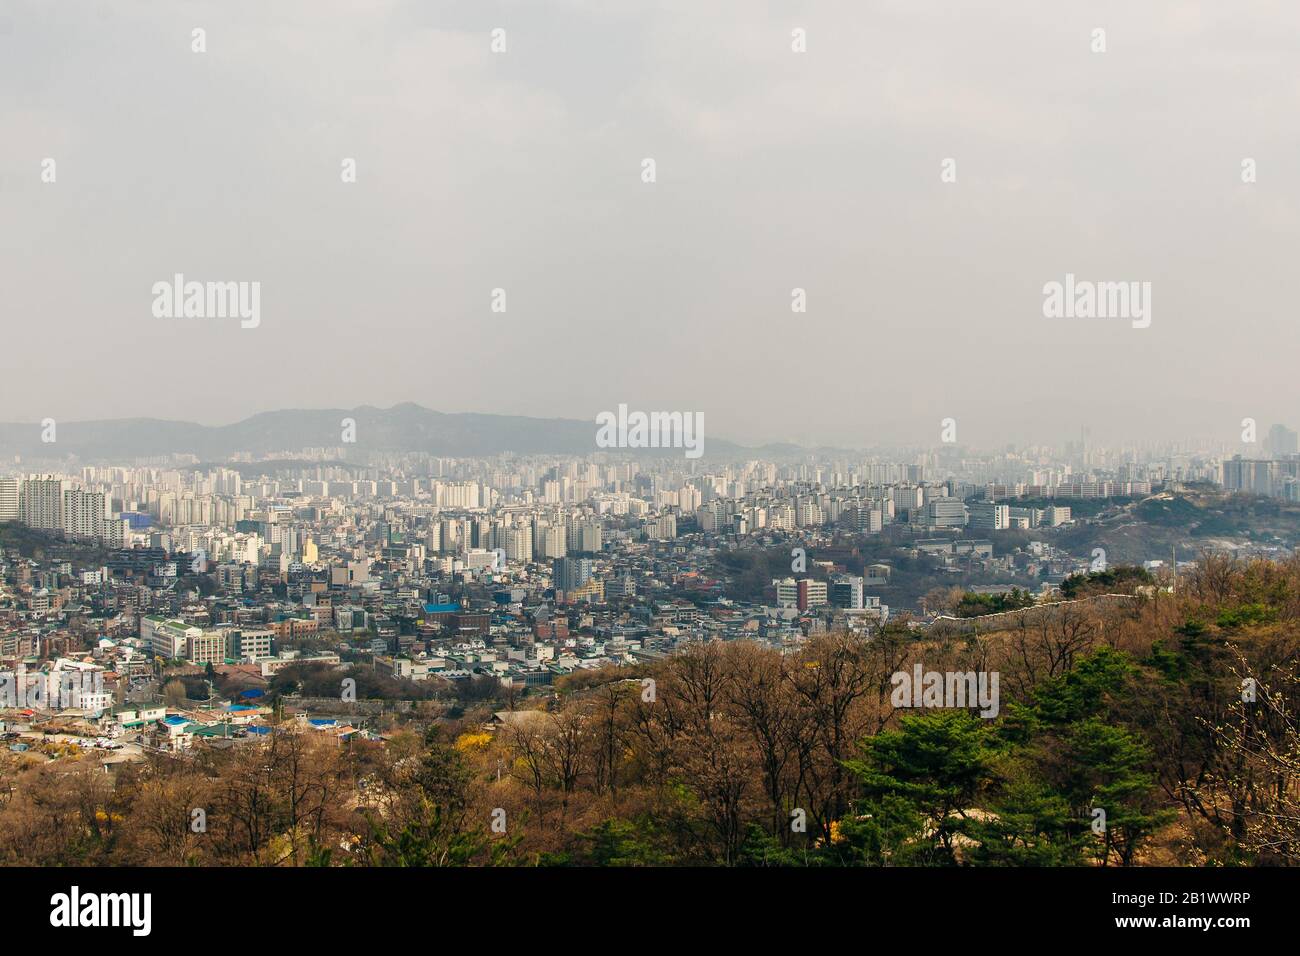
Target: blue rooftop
pixel 441 608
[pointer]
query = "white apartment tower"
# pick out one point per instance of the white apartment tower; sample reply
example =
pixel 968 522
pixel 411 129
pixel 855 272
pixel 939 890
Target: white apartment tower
pixel 9 499
pixel 41 502
pixel 83 513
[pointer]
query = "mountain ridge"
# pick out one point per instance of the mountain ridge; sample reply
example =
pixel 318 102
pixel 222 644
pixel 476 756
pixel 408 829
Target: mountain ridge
pixel 404 427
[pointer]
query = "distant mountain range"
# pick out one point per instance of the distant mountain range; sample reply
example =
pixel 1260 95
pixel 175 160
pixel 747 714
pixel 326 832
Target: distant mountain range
pixel 402 428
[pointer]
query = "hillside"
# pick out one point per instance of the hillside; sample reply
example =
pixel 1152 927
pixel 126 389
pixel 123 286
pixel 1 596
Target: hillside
pixel 1192 523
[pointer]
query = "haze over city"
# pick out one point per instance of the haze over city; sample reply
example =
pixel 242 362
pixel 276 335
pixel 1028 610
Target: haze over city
pixel 522 171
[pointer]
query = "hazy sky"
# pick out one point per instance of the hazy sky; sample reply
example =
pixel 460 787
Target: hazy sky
pixel 775 170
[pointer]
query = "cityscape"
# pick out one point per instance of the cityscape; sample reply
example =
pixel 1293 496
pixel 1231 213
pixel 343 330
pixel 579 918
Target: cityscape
pixel 833 451
pixel 528 619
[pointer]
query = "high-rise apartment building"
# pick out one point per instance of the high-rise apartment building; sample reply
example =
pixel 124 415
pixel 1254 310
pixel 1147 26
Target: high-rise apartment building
pixel 9 499
pixel 554 542
pixel 83 513
pixel 585 537
pixel 518 543
pixel 41 503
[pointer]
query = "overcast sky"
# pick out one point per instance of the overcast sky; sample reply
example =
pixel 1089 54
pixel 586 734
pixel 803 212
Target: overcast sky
pixel 775 170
